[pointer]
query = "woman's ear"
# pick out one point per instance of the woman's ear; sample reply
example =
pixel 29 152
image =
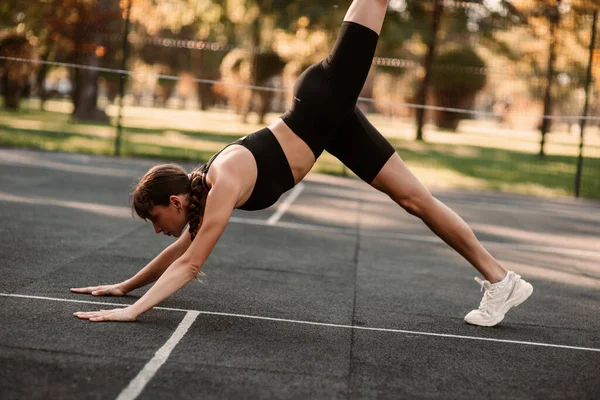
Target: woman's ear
pixel 176 201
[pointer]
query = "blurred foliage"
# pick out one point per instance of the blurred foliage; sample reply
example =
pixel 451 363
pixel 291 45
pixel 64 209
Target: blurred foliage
pixel 458 76
pixel 72 31
pixel 497 50
pixel 459 70
pixel 511 36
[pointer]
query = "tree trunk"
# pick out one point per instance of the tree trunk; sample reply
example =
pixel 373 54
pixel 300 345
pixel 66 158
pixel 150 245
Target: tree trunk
pixel 86 107
pixel 87 101
pixel 247 108
pixel 40 80
pixel 14 74
pixel 429 58
pixel 553 19
pixel 75 74
pixel 206 96
pixel 12 92
pixel 586 105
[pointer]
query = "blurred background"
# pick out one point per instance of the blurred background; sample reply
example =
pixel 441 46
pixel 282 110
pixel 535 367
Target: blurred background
pixel 486 94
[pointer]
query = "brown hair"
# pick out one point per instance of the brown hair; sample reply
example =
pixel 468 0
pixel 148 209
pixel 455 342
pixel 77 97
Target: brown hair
pixel 163 181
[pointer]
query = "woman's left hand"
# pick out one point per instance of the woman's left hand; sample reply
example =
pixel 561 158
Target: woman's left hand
pixel 118 315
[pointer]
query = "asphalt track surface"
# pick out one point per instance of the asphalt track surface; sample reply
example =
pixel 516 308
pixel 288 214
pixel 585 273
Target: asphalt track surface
pixel 334 292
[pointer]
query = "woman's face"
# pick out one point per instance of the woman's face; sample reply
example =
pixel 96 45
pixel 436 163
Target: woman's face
pixel 170 220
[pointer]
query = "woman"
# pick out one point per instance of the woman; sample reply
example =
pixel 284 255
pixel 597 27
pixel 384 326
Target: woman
pixel 254 171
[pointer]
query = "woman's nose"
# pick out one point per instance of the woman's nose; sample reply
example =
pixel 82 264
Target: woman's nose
pixel 157 228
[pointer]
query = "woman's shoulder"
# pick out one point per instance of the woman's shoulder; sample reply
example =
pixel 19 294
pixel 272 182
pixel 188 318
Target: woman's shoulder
pixel 233 161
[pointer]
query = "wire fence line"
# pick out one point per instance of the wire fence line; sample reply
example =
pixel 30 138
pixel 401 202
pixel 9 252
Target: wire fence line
pixel 203 45
pixel 528 70
pixel 472 112
pixel 190 44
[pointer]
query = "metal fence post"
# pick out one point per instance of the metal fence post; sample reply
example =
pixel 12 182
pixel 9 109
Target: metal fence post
pixel 118 138
pixel 586 105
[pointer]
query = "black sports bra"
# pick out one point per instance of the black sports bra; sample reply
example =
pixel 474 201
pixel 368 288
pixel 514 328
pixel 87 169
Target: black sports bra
pixel 274 173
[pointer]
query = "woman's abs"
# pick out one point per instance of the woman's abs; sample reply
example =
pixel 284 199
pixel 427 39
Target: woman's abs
pixel 299 155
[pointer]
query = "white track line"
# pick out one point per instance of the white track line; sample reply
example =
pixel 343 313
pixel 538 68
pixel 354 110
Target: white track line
pixel 136 386
pixel 37 162
pixel 113 211
pixel 363 328
pixel 283 207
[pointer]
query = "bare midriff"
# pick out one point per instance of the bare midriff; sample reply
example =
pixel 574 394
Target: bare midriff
pixel 299 155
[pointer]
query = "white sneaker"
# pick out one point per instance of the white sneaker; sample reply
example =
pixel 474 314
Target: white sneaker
pixel 498 299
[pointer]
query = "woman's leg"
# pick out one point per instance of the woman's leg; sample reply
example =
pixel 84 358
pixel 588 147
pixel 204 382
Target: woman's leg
pixel 503 289
pixel 398 182
pixel 351 57
pixel 360 146
pixel 369 13
pixel 325 94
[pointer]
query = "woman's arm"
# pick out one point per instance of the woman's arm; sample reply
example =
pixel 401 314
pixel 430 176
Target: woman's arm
pixel 159 265
pixel 150 273
pixel 220 203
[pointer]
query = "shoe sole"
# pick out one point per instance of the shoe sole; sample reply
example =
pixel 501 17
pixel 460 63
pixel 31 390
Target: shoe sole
pixel 514 302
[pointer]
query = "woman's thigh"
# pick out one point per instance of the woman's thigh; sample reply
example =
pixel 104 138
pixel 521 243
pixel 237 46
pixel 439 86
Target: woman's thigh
pixel 351 57
pixel 397 181
pixel 360 146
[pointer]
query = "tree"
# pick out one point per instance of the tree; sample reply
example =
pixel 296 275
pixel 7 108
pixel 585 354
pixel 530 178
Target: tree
pixel 25 12
pixel 77 29
pixel 552 13
pixel 563 24
pixel 202 22
pixel 454 85
pixel 25 18
pixel 253 18
pixel 440 26
pixel 14 74
pixel 432 42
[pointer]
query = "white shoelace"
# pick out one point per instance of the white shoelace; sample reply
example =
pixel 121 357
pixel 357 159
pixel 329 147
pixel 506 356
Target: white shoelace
pixel 489 293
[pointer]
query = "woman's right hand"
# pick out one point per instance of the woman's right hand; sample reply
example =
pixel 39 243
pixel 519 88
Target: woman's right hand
pixel 105 290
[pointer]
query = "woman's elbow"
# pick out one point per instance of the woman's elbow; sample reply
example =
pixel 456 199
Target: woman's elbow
pixel 192 268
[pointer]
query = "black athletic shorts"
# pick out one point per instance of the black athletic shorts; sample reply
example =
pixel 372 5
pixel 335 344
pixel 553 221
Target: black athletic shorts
pixel 324 112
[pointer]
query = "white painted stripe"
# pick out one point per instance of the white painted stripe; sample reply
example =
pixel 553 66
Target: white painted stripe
pixel 112 211
pixel 364 328
pixel 100 303
pixel 37 162
pixel 136 386
pixel 283 207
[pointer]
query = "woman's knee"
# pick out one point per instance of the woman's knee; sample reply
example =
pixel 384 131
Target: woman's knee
pixel 416 204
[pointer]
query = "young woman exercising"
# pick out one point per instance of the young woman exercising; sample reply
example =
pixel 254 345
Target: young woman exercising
pixel 254 171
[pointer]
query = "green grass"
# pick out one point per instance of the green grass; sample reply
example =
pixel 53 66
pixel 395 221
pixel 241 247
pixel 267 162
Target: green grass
pixel 437 165
pixel 504 170
pixel 74 142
